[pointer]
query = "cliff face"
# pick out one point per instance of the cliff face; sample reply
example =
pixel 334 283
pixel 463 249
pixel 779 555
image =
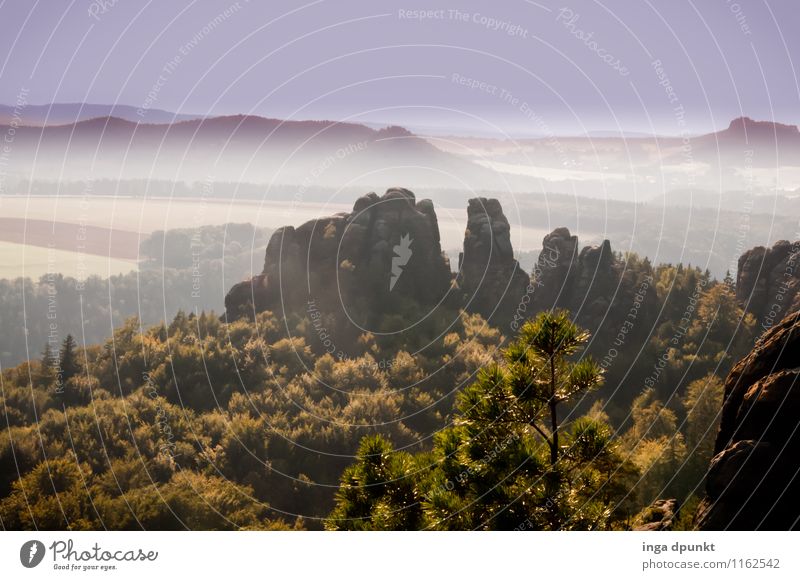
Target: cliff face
pixel 380 268
pixel 768 282
pixel 361 265
pixel 490 280
pixel 582 281
pixel 753 482
pixel 592 283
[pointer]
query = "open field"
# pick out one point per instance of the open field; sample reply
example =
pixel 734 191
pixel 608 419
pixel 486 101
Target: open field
pixel 71 237
pixel 148 215
pixel 32 261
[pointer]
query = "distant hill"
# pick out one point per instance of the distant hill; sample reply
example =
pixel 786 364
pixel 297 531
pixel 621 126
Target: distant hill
pixel 318 153
pixel 67 113
pixel 745 141
pixel 241 148
pixel 619 134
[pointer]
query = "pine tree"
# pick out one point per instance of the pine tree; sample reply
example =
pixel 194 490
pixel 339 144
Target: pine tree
pixel 68 360
pixel 729 281
pixel 506 462
pixel 47 372
pixel 543 376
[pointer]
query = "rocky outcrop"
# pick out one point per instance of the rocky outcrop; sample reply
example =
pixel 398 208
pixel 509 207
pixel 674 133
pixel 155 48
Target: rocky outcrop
pixel 381 265
pixel 768 282
pixel 490 279
pixel 657 517
pixel 753 482
pixel 588 282
pixel 555 269
pixel 362 266
pixel 583 282
pixel 380 269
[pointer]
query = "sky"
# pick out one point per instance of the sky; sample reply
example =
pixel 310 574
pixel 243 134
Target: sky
pixel 516 67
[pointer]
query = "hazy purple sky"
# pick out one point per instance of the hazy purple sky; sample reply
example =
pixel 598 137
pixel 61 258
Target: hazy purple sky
pixel 369 60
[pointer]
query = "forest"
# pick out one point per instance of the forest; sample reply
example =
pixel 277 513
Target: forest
pixel 172 264
pixel 198 423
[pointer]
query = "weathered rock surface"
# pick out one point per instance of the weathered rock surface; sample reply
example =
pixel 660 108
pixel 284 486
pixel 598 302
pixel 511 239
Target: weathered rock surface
pixel 753 482
pixel 382 264
pixel 363 265
pixel 555 270
pixel 657 517
pixel 592 283
pixel 583 282
pixel 768 281
pixel 490 279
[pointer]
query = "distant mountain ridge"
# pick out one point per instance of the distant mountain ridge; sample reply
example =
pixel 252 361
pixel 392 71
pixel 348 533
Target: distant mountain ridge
pixel 51 114
pixel 68 113
pixel 238 148
pixel 116 142
pixel 749 142
pixel 747 127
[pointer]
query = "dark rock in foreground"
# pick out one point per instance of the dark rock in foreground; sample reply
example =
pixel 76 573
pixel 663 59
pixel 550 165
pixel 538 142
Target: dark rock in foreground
pixel 753 482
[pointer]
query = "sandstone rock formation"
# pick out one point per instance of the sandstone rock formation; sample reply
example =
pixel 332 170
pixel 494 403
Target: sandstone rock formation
pixel 490 280
pixel 362 266
pixel 768 282
pixel 555 270
pixel 657 517
pixel 578 281
pixel 753 482
pixel 585 282
pixel 381 265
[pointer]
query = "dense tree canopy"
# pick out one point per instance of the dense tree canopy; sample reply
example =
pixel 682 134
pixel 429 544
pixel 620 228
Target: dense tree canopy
pixel 196 423
pixel 188 269
pixel 159 418
pixel 501 464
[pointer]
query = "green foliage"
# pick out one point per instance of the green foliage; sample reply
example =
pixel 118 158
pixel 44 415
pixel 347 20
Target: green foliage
pixel 68 363
pixel 501 465
pixel 666 327
pixel 166 282
pixel 198 424
pixel 64 494
pixel 204 425
pixel 702 404
pixel 379 490
pixel 673 454
pixel 542 375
